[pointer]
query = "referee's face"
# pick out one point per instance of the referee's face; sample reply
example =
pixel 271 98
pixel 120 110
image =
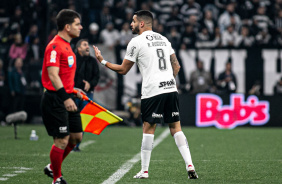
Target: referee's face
pixel 135 25
pixel 75 28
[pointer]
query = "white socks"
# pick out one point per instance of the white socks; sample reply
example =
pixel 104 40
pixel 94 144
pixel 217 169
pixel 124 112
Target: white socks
pixel 147 147
pixel 183 147
pixel 146 150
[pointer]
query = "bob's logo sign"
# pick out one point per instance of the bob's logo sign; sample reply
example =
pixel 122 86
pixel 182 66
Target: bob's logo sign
pixel 211 112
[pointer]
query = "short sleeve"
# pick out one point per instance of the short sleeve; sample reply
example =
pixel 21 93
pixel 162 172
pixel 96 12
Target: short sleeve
pixel 52 56
pixel 132 50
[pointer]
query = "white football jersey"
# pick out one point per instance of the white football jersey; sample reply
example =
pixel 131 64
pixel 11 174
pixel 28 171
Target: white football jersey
pixel 151 52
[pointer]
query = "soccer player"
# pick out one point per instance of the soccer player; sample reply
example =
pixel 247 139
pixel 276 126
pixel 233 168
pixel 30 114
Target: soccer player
pixel 159 66
pixel 59 112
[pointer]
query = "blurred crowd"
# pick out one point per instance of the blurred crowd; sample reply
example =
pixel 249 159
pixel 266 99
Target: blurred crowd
pixel 27 26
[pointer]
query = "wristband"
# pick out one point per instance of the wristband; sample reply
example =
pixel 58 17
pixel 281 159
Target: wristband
pixel 104 62
pixel 63 94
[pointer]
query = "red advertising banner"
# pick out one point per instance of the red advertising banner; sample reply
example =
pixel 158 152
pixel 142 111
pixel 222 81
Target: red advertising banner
pixel 210 111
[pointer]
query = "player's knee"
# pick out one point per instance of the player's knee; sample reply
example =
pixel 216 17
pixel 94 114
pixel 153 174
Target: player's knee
pixel 174 128
pixel 173 131
pixel 61 143
pixel 79 139
pixel 75 138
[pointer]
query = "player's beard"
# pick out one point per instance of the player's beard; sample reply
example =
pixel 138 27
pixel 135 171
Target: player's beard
pixel 136 30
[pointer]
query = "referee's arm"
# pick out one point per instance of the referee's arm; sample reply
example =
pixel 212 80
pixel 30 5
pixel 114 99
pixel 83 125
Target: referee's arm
pixel 53 73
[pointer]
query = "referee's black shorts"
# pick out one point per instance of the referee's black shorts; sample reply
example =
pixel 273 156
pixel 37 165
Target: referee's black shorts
pixel 163 108
pixel 57 120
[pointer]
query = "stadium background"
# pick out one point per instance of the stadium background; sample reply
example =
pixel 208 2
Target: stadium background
pixel 241 155
pixel 215 38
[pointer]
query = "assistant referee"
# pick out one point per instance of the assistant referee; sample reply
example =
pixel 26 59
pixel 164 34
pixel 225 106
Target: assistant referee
pixel 59 112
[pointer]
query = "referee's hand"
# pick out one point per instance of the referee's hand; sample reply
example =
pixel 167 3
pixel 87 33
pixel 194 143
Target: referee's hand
pixel 70 105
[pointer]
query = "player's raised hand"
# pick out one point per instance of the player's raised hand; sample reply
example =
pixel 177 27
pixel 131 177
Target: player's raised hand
pixel 98 53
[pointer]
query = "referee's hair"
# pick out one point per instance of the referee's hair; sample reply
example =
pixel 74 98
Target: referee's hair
pixel 66 16
pixel 144 15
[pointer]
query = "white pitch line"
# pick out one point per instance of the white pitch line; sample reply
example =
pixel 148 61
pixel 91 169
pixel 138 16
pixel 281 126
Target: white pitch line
pixel 18 170
pixel 129 164
pixel 84 144
pixel 9 175
pixel 21 168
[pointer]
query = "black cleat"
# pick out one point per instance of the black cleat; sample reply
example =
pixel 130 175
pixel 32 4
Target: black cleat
pixel 60 181
pixel 192 174
pixel 48 171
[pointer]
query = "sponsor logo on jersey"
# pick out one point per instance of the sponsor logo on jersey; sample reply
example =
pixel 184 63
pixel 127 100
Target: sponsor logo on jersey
pixel 63 129
pixel 175 114
pixel 153 37
pixel 131 53
pixel 154 115
pixel 157 37
pixel 53 56
pixel 149 37
pixel 167 83
pixel 70 61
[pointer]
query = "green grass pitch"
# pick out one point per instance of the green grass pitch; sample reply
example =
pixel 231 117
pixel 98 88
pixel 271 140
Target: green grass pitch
pixel 242 155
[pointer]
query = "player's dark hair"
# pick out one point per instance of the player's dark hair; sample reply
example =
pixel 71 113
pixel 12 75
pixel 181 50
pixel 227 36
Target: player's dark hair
pixel 79 42
pixel 144 15
pixel 66 16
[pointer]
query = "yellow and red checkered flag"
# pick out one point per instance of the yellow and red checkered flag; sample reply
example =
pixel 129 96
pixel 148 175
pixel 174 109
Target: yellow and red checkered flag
pixel 96 118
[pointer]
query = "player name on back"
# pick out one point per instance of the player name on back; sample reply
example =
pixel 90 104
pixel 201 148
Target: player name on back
pixel 156 44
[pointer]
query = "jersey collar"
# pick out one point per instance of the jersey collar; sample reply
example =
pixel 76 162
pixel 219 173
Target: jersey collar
pixel 147 31
pixel 63 39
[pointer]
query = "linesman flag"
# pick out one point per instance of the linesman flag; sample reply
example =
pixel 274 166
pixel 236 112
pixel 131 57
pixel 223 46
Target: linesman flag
pixel 96 118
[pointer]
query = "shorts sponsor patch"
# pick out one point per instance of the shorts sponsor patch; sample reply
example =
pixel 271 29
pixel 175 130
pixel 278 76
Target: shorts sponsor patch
pixel 175 114
pixel 63 129
pixel 154 115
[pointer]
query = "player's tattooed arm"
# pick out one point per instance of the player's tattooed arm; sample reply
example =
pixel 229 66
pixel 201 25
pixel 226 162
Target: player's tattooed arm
pixel 175 64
